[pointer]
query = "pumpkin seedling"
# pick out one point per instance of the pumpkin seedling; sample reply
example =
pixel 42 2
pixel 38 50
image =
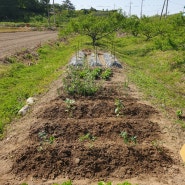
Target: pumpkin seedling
pixel 119 106
pixel 127 138
pixel 87 136
pixel 69 106
pixel 124 135
pixel 179 113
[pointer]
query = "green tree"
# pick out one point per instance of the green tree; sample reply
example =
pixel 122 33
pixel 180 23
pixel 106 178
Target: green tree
pixel 96 26
pixel 148 28
pixel 9 9
pixel 133 25
pixel 21 9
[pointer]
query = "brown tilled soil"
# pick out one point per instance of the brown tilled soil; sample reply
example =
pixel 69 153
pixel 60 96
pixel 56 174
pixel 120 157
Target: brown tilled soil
pixel 84 143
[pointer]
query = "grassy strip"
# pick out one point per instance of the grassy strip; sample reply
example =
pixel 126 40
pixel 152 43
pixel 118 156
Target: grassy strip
pixel 34 23
pixel 20 81
pixel 152 70
pixel 4 69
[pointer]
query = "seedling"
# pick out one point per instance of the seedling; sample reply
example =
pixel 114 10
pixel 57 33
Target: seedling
pixel 124 135
pixel 125 183
pixel 51 139
pixel 44 140
pixel 119 106
pixel 104 183
pixel 128 139
pixel 69 105
pixel 42 135
pixel 133 139
pixel 64 183
pixel 96 72
pixel 106 74
pixel 179 113
pixel 87 136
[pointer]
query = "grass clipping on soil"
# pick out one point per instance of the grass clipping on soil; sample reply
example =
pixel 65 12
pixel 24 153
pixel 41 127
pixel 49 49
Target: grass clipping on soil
pixel 87 143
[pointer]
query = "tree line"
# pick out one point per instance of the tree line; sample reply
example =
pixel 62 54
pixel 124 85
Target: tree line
pixel 22 10
pixel 167 33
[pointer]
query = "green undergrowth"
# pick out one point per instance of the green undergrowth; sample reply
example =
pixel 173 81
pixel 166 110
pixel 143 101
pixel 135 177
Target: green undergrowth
pixel 160 74
pixel 34 22
pixel 19 81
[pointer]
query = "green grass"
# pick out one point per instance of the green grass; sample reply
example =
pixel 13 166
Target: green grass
pixel 33 23
pixel 19 81
pixel 4 69
pixel 159 74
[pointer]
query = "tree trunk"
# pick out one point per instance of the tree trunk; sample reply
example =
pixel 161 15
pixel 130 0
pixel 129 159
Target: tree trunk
pixel 94 41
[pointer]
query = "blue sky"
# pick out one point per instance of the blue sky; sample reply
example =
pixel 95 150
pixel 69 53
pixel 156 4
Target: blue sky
pixel 150 7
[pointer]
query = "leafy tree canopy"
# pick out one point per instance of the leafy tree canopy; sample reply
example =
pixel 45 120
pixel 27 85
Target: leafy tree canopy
pixel 96 26
pixel 18 9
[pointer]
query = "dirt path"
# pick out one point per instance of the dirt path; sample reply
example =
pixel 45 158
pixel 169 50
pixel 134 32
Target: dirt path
pixel 154 160
pixel 13 42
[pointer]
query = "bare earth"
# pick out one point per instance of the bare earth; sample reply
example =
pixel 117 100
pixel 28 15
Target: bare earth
pixel 27 156
pixel 13 42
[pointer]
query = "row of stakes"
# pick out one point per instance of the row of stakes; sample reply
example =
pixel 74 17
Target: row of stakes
pixel 113 51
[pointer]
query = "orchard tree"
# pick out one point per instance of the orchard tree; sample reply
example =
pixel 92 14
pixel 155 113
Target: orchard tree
pixel 97 26
pixel 148 28
pixel 133 25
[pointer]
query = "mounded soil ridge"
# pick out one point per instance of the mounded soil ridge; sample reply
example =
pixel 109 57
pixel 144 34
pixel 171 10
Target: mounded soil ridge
pixel 87 142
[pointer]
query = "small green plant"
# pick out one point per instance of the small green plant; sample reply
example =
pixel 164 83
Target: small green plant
pixel 51 139
pixel 69 105
pixel 24 183
pixel 42 136
pixel 119 107
pixel 87 136
pixel 44 140
pixel 125 183
pixel 127 138
pixel 104 183
pixel 179 113
pixel 133 139
pixel 106 74
pixel 83 73
pixel 96 72
pixel 64 183
pixel 75 84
